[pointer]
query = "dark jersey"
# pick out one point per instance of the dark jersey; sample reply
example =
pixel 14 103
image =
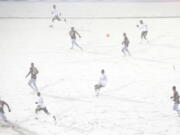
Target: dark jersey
pixel 72 34
pixel 176 97
pixel 126 41
pixel 2 103
pixel 33 72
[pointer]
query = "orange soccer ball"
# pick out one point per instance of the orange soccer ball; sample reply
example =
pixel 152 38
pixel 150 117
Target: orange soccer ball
pixel 107 35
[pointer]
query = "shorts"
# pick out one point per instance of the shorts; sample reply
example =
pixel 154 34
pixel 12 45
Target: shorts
pixel 98 86
pixel 42 109
pixel 56 17
pixel 2 116
pixel 144 33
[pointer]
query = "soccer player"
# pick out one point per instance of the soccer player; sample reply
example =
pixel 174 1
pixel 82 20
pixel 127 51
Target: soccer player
pixel 102 82
pixel 125 43
pixel 144 30
pixel 73 34
pixel 2 113
pixel 41 106
pixel 175 98
pixel 56 15
pixel 33 71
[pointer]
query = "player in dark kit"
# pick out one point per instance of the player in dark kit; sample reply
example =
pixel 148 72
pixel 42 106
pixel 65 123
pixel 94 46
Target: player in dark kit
pixel 73 34
pixel 2 113
pixel 33 71
pixel 125 43
pixel 175 98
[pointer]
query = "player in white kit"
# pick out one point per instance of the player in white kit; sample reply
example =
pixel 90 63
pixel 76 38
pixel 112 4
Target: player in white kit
pixel 41 107
pixel 144 30
pixel 33 71
pixel 56 15
pixel 102 82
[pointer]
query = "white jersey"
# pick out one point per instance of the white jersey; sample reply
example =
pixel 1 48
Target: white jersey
pixel 40 102
pixel 103 80
pixel 55 12
pixel 143 27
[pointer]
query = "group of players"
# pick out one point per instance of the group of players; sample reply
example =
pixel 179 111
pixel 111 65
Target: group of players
pixel 57 16
pixel 33 71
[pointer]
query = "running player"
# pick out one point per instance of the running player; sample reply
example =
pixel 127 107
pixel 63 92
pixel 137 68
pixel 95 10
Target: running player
pixel 41 106
pixel 56 15
pixel 2 113
pixel 144 30
pixel 33 71
pixel 175 98
pixel 73 34
pixel 125 43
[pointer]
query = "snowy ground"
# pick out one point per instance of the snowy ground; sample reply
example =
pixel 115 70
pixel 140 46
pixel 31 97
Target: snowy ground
pixel 136 100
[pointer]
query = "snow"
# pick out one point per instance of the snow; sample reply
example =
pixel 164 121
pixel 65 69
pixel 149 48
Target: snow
pixel 136 100
pixel 90 9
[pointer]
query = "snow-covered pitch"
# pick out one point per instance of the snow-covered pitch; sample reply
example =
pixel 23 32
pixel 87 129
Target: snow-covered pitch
pixel 136 100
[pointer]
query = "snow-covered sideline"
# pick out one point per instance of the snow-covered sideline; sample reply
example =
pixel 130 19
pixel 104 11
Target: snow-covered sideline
pixel 42 9
pixel 136 100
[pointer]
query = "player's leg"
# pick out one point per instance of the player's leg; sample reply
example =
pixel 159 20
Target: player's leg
pixel 97 86
pixel 58 18
pixel 175 108
pixel 145 35
pixel 178 110
pixel 123 50
pixel 142 35
pixel 37 110
pixel 53 18
pixel 72 43
pixel 78 45
pixel 97 89
pixel 3 117
pixel 5 121
pixel 34 84
pixel 126 49
pixel 46 111
pixel 65 20
pixel 30 83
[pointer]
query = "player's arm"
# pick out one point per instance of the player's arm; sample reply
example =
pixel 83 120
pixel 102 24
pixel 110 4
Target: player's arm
pixel 37 71
pixel 28 73
pixel 9 109
pixel 78 34
pixel 139 27
pixel 172 97
pixel 70 33
pixel 123 42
